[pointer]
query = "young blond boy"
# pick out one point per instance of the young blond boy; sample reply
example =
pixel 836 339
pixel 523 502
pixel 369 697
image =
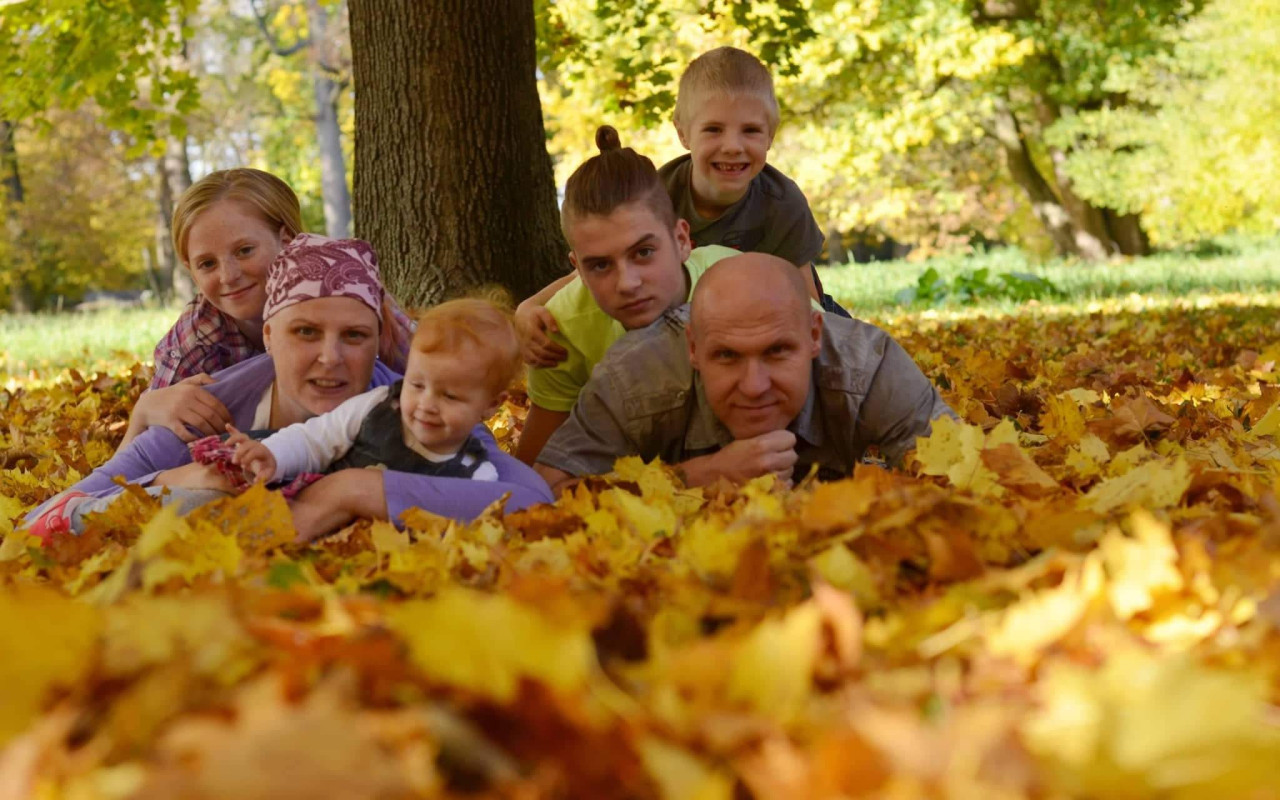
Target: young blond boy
pixel 726 115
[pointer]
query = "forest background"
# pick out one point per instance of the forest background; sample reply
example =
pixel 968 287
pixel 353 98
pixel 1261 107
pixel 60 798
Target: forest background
pixel 1079 130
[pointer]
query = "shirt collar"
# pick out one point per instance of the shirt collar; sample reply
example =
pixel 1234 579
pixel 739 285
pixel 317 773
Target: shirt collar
pixel 705 431
pixel 808 423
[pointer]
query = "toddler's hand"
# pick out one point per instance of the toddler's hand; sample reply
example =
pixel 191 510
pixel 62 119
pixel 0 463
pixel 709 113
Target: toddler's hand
pixel 534 323
pixel 252 456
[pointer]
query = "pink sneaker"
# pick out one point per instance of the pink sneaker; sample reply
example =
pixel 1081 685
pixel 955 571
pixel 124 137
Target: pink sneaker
pixel 55 520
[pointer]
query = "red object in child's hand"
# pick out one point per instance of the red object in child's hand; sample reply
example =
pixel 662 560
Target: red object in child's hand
pixel 215 451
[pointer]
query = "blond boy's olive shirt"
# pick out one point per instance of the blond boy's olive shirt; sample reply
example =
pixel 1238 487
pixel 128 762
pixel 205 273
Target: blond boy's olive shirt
pixel 586 333
pixel 646 399
pixel 772 217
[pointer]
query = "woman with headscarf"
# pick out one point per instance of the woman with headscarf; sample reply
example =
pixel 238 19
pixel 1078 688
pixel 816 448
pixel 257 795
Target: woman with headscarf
pixel 322 327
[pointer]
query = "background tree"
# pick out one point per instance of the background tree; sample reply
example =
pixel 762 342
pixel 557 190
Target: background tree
pixel 318 30
pixel 880 95
pixel 1195 151
pixel 57 57
pixel 453 185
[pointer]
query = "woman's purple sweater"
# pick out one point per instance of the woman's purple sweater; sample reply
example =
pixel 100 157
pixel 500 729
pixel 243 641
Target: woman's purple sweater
pixel 240 388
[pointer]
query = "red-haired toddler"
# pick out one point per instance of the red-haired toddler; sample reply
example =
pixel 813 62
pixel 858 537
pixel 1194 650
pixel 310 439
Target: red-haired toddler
pixel 463 358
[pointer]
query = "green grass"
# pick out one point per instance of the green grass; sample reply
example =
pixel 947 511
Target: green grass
pixel 1229 265
pixel 47 342
pixel 43 342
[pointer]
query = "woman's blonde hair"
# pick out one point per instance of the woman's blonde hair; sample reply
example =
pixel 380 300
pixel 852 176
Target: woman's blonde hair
pixel 268 196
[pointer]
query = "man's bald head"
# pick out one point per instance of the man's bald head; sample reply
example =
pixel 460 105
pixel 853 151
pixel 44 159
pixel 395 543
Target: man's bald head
pixel 752 338
pixel 743 286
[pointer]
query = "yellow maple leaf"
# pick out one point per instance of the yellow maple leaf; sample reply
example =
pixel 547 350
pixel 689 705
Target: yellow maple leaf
pixel 656 484
pixel 1040 618
pixel 650 518
pixel 172 546
pixel 842 569
pixel 144 631
pixel 773 668
pixel 1087 458
pixel 1139 567
pixel 259 519
pixel 954 449
pixel 487 643
pixel 710 550
pixel 10 511
pixel 1269 425
pixel 1062 418
pixel 46 640
pixel 1155 484
pixel 681 775
pixel 1154 725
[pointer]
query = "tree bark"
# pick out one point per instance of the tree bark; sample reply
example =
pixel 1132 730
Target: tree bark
pixel 453 184
pixel 166 257
pixel 10 177
pixel 173 179
pixel 1068 239
pixel 333 170
pixel 20 299
pixel 1128 234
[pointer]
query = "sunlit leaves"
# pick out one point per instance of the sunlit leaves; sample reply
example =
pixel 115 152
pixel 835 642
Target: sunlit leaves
pixel 1072 591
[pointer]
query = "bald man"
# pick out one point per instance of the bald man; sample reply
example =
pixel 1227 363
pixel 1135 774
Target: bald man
pixel 746 380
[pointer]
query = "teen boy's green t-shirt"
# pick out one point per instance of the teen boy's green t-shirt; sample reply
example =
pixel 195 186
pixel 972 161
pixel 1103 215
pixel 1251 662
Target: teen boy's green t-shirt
pixel 587 333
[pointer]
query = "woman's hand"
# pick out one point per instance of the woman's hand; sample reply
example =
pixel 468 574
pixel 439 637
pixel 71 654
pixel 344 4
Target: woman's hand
pixel 331 503
pixel 194 476
pixel 180 408
pixel 535 323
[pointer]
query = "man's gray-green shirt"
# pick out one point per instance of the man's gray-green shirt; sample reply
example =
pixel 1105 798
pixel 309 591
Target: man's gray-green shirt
pixel 646 399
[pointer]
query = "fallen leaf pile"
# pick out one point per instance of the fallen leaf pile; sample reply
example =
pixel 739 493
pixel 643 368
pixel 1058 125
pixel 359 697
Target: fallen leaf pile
pixel 1075 592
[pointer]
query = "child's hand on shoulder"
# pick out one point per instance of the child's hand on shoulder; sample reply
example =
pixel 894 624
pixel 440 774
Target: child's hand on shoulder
pixel 534 324
pixel 252 456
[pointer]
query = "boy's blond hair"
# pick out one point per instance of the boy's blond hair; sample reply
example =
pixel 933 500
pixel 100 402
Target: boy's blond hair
pixel 725 70
pixel 479 325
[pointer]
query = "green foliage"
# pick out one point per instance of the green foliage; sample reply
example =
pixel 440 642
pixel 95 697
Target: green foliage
pixel 1195 152
pixel 88 213
pixel 257 106
pixel 887 106
pixel 118 54
pixel 1247 266
pixel 872 291
pixel 969 287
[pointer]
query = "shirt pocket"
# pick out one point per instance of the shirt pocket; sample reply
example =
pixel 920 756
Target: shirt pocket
pixel 846 380
pixel 653 403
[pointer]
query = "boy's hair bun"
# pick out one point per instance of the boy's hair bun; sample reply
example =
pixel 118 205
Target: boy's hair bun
pixel 607 139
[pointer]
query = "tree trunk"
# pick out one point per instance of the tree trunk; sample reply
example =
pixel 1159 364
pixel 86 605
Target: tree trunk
pixel 10 178
pixel 333 170
pixel 1114 233
pixel 1090 221
pixel 453 185
pixel 836 251
pixel 1128 234
pixel 1068 239
pixel 20 299
pixel 173 179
